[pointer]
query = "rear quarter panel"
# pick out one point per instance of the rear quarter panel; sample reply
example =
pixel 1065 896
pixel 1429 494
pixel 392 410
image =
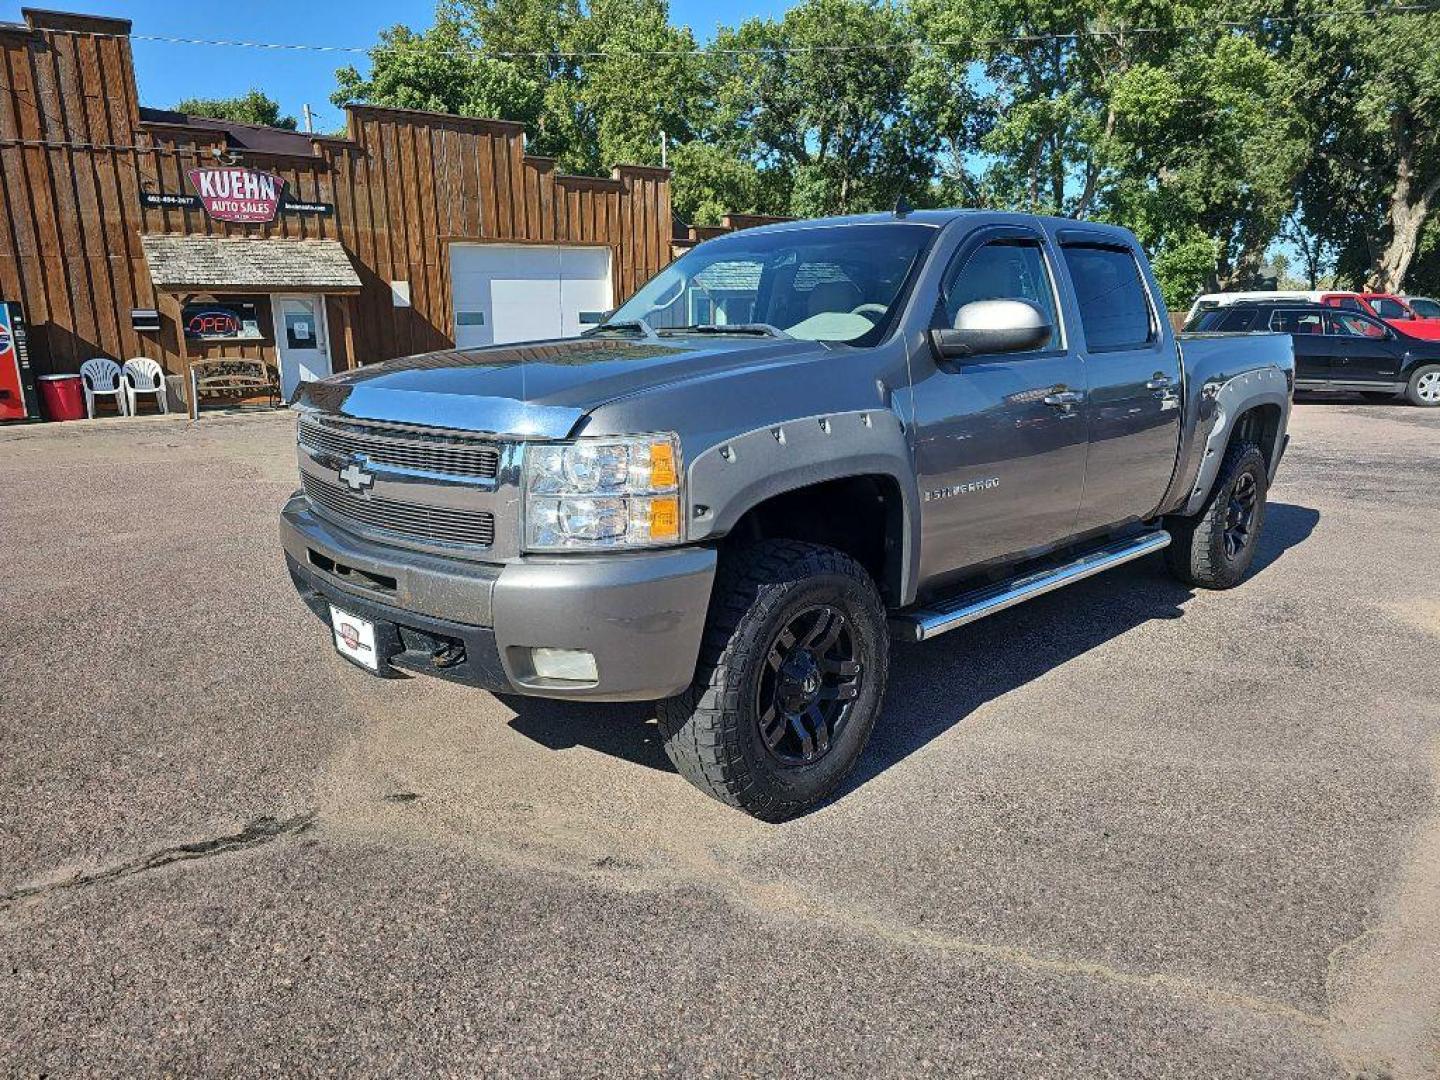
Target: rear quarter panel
pixel 1227 375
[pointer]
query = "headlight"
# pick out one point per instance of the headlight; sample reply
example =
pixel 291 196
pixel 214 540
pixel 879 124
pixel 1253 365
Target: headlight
pixel 602 493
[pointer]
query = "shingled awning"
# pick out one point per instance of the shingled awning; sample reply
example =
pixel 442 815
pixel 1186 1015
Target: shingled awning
pixel 248 264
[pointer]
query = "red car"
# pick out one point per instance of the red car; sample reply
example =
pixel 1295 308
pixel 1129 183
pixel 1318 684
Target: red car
pixel 1389 309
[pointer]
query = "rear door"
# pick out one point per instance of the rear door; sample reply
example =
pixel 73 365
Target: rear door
pixel 1365 350
pixel 1000 440
pixel 1314 350
pixel 1133 370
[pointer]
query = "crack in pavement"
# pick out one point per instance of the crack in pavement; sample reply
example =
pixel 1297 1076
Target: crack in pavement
pixel 262 830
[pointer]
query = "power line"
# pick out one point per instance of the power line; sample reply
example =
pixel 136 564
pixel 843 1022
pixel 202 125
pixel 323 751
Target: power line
pixel 915 45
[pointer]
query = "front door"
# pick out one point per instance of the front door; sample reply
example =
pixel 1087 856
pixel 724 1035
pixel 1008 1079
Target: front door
pixel 301 341
pixel 1365 350
pixel 1133 372
pixel 1000 440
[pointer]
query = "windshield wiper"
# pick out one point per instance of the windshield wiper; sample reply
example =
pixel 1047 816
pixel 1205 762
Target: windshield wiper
pixel 624 326
pixel 754 329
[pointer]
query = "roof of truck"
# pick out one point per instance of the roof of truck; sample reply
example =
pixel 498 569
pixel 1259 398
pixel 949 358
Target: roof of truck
pixel 940 218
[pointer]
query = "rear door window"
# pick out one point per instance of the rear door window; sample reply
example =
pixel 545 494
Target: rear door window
pixel 1114 308
pixel 1296 322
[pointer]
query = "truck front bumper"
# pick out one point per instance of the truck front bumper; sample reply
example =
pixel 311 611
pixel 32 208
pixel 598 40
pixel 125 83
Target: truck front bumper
pixel 640 615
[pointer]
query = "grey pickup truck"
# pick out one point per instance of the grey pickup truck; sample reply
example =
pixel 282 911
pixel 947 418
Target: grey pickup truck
pixel 791 447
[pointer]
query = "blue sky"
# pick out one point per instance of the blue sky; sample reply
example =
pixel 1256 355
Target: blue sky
pixel 168 73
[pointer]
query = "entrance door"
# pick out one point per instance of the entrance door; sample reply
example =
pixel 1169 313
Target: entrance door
pixel 525 292
pixel 301 341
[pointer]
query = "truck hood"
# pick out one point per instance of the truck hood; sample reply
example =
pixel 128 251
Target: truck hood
pixel 539 389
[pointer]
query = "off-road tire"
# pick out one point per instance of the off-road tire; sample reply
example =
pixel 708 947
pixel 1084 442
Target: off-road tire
pixel 1423 377
pixel 712 730
pixel 1197 553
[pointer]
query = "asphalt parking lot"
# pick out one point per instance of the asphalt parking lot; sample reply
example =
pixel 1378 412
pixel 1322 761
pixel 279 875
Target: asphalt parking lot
pixel 1125 830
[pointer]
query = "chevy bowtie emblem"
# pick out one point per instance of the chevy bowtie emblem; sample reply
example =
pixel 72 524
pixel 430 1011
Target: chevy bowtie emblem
pixel 356 477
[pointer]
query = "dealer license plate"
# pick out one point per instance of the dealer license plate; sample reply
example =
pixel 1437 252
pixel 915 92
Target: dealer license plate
pixel 354 638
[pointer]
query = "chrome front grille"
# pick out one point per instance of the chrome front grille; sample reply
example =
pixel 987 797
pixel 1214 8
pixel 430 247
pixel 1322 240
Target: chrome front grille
pixel 401 448
pixel 416 521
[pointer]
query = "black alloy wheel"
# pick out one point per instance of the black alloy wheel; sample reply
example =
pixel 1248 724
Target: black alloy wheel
pixel 1215 547
pixel 808 685
pixel 1240 514
pixel 789 681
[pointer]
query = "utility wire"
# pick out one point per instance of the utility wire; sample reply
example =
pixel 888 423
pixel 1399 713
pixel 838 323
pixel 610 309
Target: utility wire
pixel 917 45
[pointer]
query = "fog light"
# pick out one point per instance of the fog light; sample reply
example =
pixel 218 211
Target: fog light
pixel 572 665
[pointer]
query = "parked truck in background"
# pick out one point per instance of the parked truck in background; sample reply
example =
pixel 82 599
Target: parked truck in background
pixel 793 445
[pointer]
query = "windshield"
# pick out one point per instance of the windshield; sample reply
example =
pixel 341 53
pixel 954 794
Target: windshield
pixel 830 283
pixel 1426 309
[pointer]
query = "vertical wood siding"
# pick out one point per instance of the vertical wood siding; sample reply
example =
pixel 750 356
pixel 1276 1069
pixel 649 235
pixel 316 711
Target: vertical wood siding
pixel 405 186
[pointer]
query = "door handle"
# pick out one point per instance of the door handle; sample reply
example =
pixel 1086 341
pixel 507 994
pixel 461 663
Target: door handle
pixel 1065 400
pixel 1161 381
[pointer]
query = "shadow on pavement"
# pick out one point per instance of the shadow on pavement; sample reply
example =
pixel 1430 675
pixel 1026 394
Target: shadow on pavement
pixel 1286 526
pixel 626 730
pixel 1015 647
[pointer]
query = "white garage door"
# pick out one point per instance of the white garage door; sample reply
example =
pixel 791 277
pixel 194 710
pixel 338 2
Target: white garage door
pixel 525 292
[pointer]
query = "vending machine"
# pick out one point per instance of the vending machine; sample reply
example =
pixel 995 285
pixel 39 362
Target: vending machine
pixel 17 381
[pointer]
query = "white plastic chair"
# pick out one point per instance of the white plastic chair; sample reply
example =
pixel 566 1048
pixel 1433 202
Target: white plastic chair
pixel 103 378
pixel 144 376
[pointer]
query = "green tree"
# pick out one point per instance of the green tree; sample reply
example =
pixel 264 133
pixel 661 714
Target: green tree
pixel 543 63
pixel 1207 145
pixel 709 181
pixel 252 107
pixel 1373 96
pixel 454 67
pixel 626 103
pixel 818 101
pixel 1034 123
pixel 1152 113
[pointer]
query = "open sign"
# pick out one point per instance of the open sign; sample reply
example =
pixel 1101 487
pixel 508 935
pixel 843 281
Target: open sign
pixel 213 322
pixel 208 320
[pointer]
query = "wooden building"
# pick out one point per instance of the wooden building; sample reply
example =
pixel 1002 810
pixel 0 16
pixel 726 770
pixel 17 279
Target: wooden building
pixel 130 231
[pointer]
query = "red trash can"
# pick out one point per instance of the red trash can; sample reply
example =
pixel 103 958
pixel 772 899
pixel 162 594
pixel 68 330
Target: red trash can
pixel 63 397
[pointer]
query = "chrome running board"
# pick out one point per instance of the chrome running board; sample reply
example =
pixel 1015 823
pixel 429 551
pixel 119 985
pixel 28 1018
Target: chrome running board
pixel 924 623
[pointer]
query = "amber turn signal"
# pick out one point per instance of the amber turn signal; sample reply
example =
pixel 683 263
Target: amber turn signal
pixel 662 466
pixel 665 519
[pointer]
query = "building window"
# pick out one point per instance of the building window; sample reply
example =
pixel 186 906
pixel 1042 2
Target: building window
pixel 223 319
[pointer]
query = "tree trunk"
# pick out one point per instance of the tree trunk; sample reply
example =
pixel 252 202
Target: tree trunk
pixel 1092 167
pixel 1406 217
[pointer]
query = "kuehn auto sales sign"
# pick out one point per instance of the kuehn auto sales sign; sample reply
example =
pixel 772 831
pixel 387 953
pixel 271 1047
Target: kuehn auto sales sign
pixel 235 193
pixel 231 193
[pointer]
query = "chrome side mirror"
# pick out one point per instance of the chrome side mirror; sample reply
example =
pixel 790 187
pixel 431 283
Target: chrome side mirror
pixel 988 327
